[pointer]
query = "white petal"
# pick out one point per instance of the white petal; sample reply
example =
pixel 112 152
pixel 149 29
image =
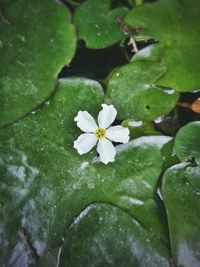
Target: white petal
pixel 118 134
pixel 85 143
pixel 85 122
pixel 106 116
pixel 106 151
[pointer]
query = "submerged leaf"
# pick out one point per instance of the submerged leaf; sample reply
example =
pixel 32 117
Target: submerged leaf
pixel 140 128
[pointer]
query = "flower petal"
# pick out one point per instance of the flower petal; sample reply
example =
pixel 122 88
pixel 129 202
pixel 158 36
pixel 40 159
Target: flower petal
pixel 106 116
pixel 85 122
pixel 106 151
pixel 118 134
pixel 85 143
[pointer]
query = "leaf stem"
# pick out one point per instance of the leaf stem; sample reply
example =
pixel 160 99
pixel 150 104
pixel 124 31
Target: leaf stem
pixel 133 44
pixel 195 106
pixel 183 105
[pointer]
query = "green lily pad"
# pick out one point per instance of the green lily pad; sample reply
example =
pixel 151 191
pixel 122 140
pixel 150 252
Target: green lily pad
pixel 182 202
pixel 45 184
pixel 178 47
pixel 36 43
pixel 132 89
pixel 98 26
pixel 187 143
pixel 103 235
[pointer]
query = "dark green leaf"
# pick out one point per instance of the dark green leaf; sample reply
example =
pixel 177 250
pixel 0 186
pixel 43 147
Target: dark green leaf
pixel 45 183
pixel 34 47
pixel 187 143
pixel 106 236
pixel 173 23
pixel 182 201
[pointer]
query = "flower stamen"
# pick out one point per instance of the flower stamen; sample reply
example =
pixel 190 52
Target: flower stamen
pixel 100 133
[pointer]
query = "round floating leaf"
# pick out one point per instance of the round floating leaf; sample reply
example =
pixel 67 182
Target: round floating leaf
pixel 103 235
pixel 45 184
pixel 182 201
pixel 97 25
pixel 178 47
pixel 187 143
pixel 36 43
pixel 132 90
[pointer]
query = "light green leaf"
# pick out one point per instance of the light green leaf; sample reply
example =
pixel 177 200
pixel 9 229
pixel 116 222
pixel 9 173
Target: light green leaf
pixel 98 26
pixel 132 89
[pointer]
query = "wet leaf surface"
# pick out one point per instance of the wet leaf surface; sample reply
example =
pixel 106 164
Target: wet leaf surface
pixel 103 235
pixel 37 43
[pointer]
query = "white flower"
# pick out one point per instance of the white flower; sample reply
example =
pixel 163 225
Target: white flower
pixel 103 134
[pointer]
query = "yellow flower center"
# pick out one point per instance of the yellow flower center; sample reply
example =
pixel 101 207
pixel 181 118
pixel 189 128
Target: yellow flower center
pixel 100 133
